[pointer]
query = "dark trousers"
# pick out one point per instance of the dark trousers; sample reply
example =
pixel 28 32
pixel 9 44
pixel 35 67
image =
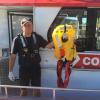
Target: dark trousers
pixel 30 75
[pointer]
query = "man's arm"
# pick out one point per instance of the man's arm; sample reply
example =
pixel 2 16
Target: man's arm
pixel 11 62
pixel 44 43
pixel 14 51
pixel 11 65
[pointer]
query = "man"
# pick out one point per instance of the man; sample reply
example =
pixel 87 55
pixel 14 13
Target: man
pixel 26 45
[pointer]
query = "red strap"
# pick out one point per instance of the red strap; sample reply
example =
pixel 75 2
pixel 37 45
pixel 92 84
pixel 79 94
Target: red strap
pixel 60 82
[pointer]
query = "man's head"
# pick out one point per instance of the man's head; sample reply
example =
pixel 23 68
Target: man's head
pixel 26 25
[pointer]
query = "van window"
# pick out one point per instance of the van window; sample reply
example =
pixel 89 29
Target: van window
pixel 72 16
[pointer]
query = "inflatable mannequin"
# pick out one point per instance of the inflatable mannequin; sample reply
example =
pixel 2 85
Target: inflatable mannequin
pixel 65 51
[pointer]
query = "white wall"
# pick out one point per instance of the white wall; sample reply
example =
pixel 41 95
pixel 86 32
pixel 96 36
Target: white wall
pixel 43 18
pixel 4 35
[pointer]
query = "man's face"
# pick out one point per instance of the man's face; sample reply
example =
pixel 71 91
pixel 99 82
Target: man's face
pixel 27 28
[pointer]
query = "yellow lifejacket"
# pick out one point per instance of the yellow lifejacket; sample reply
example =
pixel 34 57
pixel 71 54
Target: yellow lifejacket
pixel 68 46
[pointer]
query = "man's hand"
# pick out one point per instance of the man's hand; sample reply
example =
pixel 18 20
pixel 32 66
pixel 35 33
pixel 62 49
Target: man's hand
pixel 11 76
pixel 50 45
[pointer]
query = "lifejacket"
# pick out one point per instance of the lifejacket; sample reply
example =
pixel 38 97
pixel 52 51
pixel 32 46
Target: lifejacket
pixel 26 58
pixel 66 49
